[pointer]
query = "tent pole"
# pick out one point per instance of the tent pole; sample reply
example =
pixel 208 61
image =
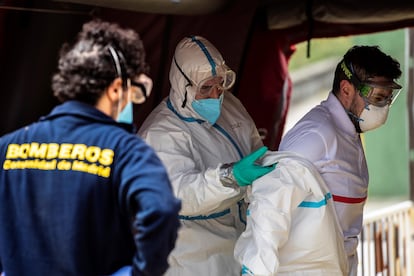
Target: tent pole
pixel 410 107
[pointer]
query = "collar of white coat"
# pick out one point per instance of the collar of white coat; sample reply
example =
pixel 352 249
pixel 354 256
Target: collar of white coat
pixel 339 115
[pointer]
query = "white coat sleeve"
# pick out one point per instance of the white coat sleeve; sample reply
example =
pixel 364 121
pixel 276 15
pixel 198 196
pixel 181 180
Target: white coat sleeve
pixel 273 201
pixel 199 188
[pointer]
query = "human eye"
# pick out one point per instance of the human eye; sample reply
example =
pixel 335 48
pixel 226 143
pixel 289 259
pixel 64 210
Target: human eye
pixel 378 98
pixel 205 89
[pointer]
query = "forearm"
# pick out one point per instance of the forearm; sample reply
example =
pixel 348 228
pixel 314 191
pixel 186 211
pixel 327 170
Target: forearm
pixel 155 232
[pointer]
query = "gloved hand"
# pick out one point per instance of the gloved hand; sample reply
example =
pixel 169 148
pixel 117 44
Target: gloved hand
pixel 246 171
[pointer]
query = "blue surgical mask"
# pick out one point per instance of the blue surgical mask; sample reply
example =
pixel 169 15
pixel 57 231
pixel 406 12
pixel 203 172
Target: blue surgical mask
pixel 209 109
pixel 126 115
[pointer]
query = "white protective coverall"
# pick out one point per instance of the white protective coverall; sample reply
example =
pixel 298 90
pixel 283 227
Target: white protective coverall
pixel 292 227
pixel 212 215
pixel 327 137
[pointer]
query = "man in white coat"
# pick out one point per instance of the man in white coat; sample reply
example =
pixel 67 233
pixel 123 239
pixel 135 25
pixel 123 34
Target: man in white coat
pixel 202 134
pixel 329 135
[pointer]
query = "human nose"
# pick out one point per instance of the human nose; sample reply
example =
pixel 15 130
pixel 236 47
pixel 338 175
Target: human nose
pixel 215 92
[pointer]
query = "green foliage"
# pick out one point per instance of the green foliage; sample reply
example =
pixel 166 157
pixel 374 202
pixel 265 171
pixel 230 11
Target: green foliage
pixel 320 49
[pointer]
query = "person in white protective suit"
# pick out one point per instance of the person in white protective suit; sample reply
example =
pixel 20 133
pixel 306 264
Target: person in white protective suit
pixel 208 143
pixel 292 227
pixel 328 135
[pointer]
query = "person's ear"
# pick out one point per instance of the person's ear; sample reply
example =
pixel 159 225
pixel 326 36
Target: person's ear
pixel 346 88
pixel 108 102
pixel 346 93
pixel 114 90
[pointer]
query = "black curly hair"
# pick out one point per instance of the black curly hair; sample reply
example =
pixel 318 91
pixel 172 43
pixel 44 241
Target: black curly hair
pixel 87 68
pixel 366 62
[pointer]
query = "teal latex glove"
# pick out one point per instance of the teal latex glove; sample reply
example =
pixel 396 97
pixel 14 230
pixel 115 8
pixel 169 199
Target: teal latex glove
pixel 246 171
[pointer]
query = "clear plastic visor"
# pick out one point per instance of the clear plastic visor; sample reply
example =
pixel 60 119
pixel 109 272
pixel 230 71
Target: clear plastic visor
pixel 222 81
pixel 380 94
pixel 140 89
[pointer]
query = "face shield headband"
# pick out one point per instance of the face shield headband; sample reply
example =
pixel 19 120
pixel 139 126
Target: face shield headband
pixel 119 63
pixel 375 93
pixel 138 91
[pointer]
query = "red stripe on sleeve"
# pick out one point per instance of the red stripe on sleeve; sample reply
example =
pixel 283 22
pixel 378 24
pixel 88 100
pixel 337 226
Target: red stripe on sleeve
pixel 350 200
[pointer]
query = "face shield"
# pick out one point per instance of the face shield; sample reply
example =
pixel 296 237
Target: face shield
pixel 136 91
pixel 223 80
pixel 379 93
pixel 140 89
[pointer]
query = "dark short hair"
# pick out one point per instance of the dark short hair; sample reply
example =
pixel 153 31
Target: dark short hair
pixel 86 68
pixel 366 62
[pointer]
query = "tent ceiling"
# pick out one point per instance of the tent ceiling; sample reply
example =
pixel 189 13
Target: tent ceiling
pixel 281 14
pixel 180 7
pixel 285 14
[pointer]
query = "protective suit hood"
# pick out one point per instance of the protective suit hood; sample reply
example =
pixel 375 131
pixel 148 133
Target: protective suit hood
pixel 195 59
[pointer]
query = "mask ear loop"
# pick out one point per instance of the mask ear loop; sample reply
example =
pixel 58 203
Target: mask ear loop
pixel 189 83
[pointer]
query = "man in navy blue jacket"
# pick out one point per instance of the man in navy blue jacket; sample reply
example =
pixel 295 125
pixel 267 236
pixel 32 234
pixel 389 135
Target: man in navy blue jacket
pixel 80 193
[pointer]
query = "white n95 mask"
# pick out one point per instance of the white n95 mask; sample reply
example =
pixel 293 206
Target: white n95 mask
pixel 373 117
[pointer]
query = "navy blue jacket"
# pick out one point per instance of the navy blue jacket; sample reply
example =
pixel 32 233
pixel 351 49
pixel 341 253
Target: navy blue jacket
pixel 82 195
